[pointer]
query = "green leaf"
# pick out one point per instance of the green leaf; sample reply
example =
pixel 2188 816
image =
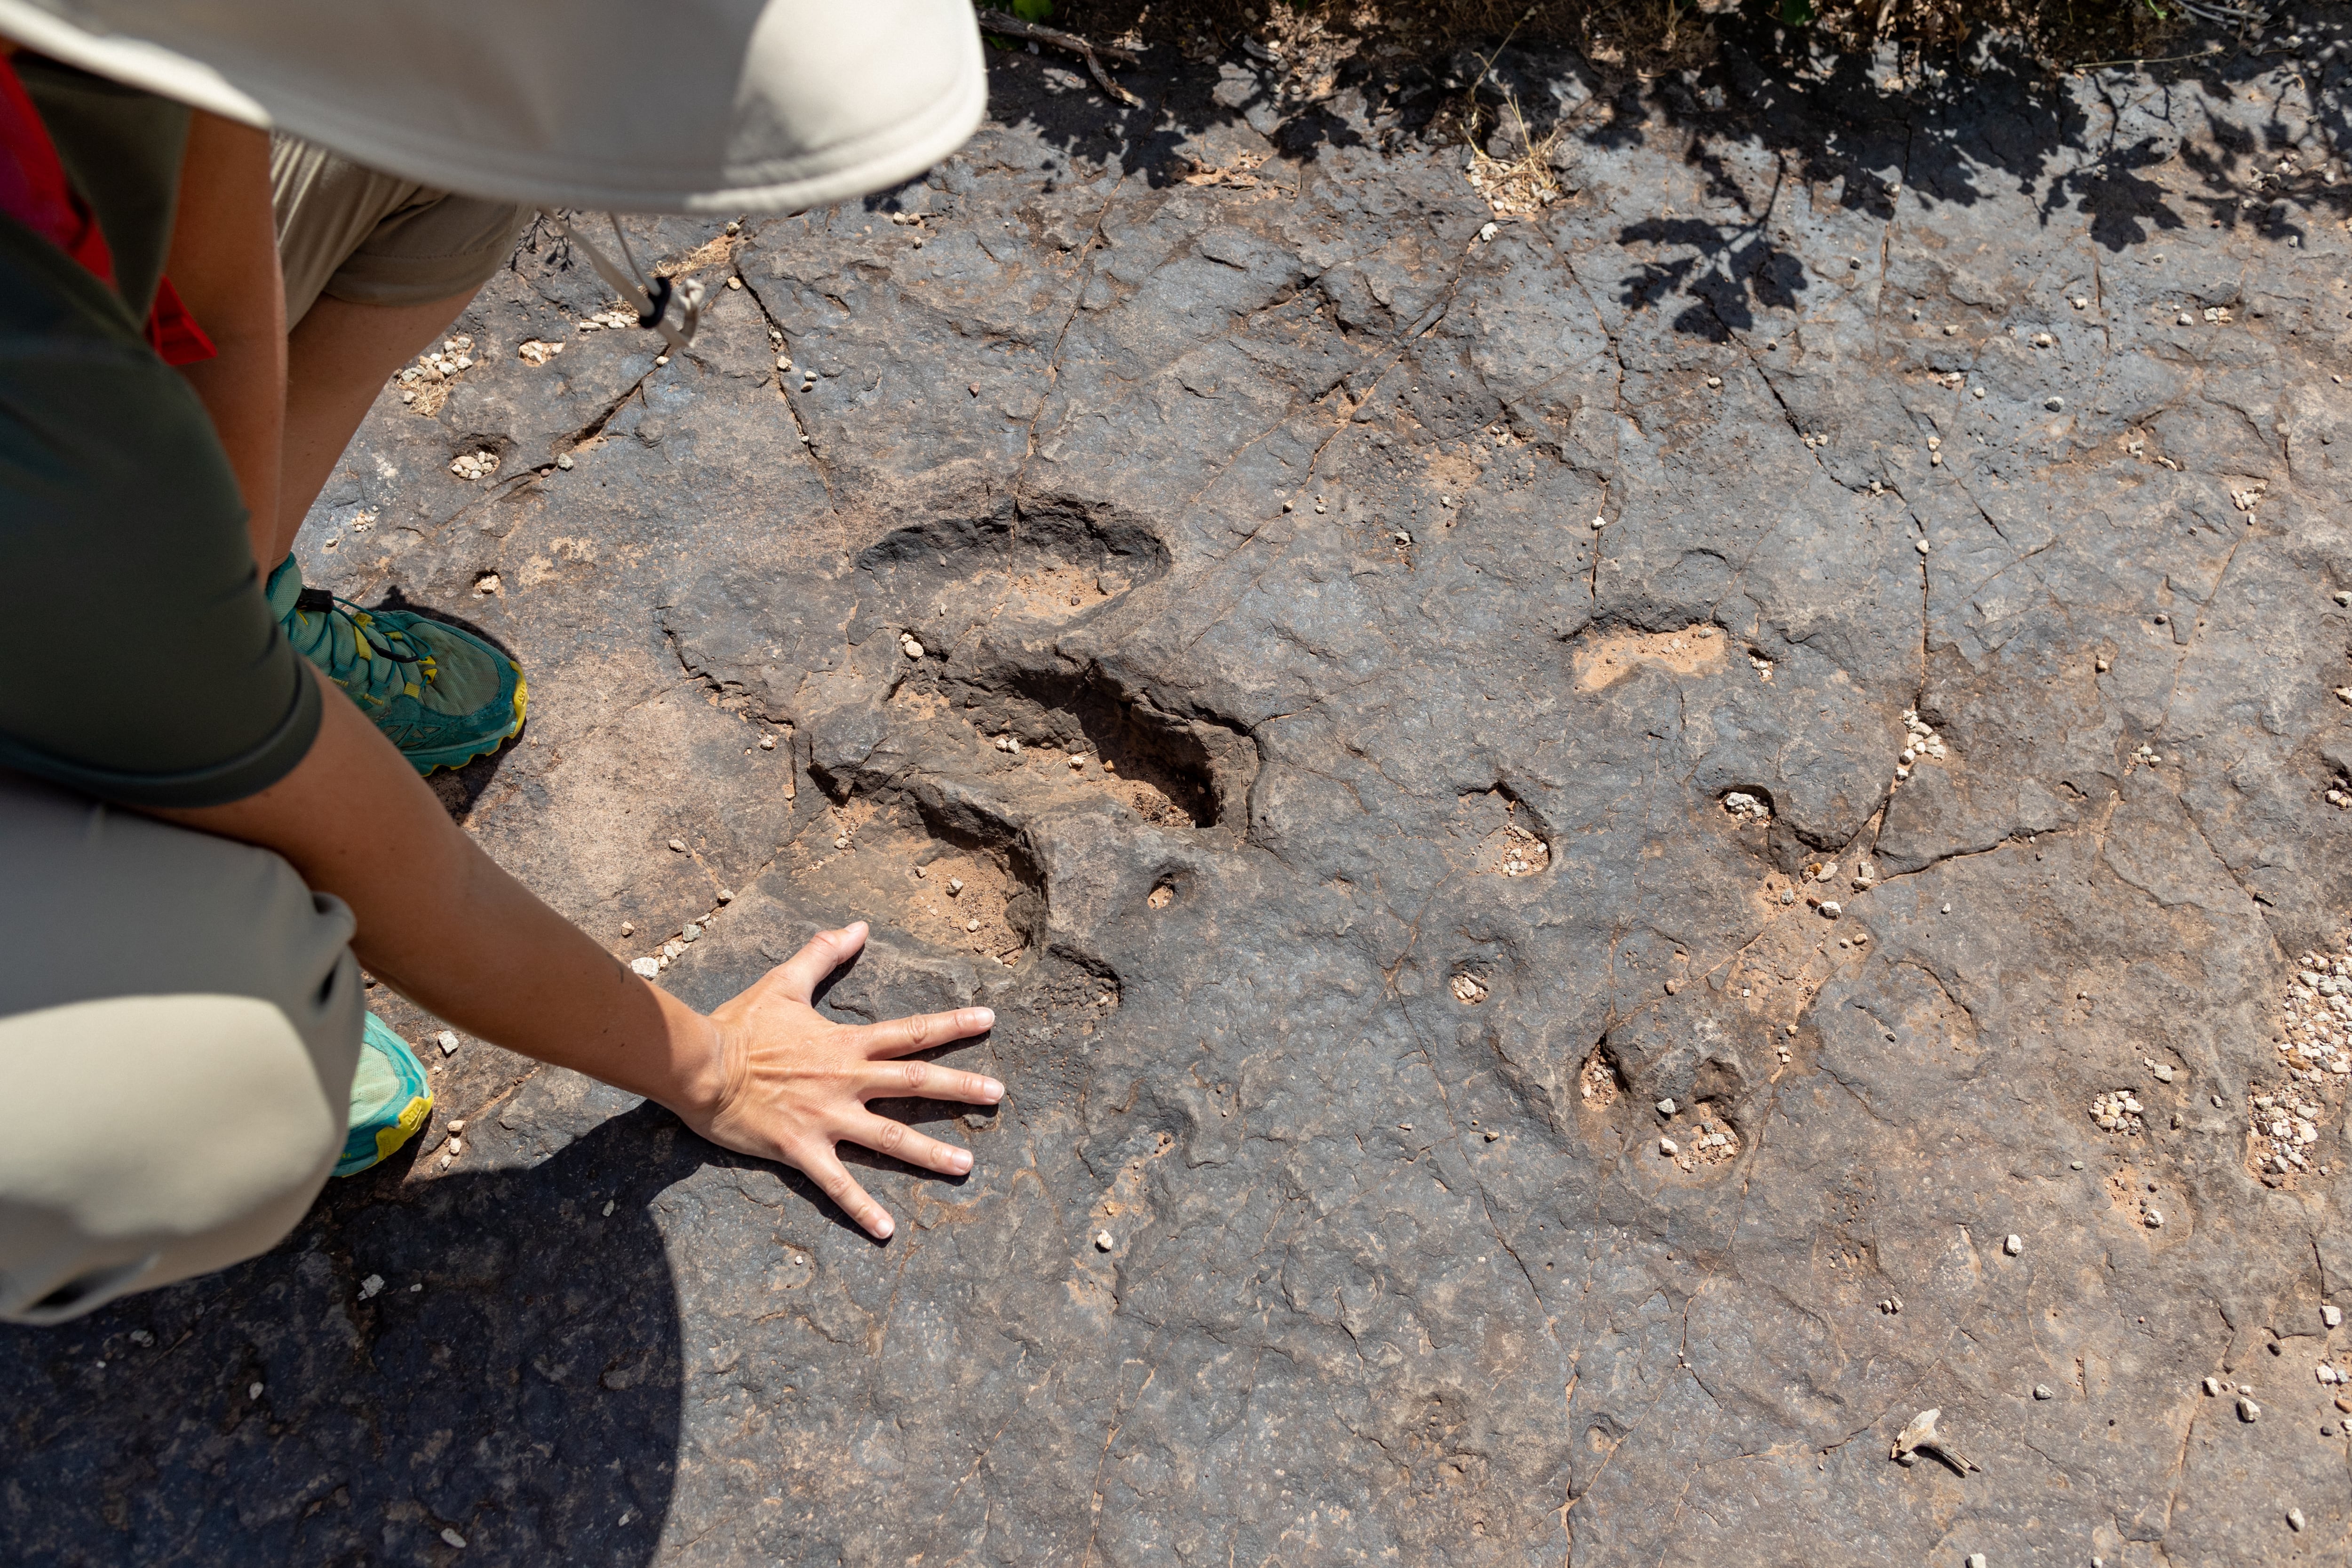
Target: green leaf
pixel 1796 12
pixel 1033 10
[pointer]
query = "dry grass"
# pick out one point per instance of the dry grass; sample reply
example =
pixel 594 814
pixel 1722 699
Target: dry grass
pixel 1637 36
pixel 1523 184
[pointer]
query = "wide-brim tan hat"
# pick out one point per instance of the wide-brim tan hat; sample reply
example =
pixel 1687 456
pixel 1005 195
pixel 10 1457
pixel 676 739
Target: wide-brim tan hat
pixel 679 106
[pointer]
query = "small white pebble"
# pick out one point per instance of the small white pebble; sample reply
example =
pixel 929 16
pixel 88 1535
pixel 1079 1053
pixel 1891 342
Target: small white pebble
pixel 1103 1242
pixel 1920 545
pixel 564 462
pixel 679 845
pixel 448 1040
pixel 2014 1246
pixel 2156 1219
pixel 971 925
pixel 2212 1387
pixel 253 1391
pixel 2248 1411
pixel 454 1539
pixel 767 742
pixel 1669 1147
pixel 725 895
pixel 1666 1108
pixel 645 968
pixel 370 1286
pixel 1832 908
pixel 628 928
pixel 608 1208
pixel 2295 1519
pixel 2332 1317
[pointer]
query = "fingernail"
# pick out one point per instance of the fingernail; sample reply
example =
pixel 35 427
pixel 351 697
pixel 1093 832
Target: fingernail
pixel 884 1228
pixel 984 1016
pixel 959 1161
pixel 992 1089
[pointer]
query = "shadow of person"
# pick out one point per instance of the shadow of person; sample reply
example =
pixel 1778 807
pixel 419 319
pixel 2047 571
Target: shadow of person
pixel 513 1381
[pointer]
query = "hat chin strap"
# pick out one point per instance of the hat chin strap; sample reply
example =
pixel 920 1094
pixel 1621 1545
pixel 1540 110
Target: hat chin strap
pixel 652 301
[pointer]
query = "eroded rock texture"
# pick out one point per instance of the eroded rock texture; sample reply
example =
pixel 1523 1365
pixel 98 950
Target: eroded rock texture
pixel 1294 658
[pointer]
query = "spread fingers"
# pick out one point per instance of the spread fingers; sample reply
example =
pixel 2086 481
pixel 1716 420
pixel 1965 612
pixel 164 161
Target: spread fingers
pixel 902 1141
pixel 799 975
pixel 826 1169
pixel 923 1081
pixel 899 1036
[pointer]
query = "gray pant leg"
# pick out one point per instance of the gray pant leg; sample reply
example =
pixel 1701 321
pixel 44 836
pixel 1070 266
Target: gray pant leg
pixel 179 1023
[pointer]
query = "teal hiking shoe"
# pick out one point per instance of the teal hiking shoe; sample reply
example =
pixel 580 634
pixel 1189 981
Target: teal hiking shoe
pixel 390 1098
pixel 442 695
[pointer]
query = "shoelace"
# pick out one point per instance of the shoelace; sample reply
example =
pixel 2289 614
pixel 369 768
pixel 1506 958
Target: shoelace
pixel 372 661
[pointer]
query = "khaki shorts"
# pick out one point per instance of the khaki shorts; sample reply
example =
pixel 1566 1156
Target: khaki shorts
pixel 374 239
pixel 179 1023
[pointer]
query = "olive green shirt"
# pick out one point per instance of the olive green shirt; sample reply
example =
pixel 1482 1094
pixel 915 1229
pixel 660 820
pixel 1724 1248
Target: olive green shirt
pixel 139 662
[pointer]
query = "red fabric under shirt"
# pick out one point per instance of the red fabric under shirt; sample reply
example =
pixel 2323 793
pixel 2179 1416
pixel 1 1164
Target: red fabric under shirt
pixel 34 191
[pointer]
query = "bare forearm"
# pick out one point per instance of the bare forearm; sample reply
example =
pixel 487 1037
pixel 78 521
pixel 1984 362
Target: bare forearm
pixel 489 956
pixel 440 922
pixel 224 262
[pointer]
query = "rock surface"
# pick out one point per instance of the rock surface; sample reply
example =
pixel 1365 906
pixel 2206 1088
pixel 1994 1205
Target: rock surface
pixel 1383 615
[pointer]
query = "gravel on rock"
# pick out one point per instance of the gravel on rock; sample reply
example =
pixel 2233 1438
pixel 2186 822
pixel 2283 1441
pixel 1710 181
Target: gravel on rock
pixel 1334 760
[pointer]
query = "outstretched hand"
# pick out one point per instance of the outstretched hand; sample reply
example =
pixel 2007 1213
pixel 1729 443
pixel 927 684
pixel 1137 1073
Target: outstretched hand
pixel 796 1082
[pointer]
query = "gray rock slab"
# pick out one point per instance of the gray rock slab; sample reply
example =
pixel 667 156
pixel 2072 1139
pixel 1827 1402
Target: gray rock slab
pixel 1382 615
